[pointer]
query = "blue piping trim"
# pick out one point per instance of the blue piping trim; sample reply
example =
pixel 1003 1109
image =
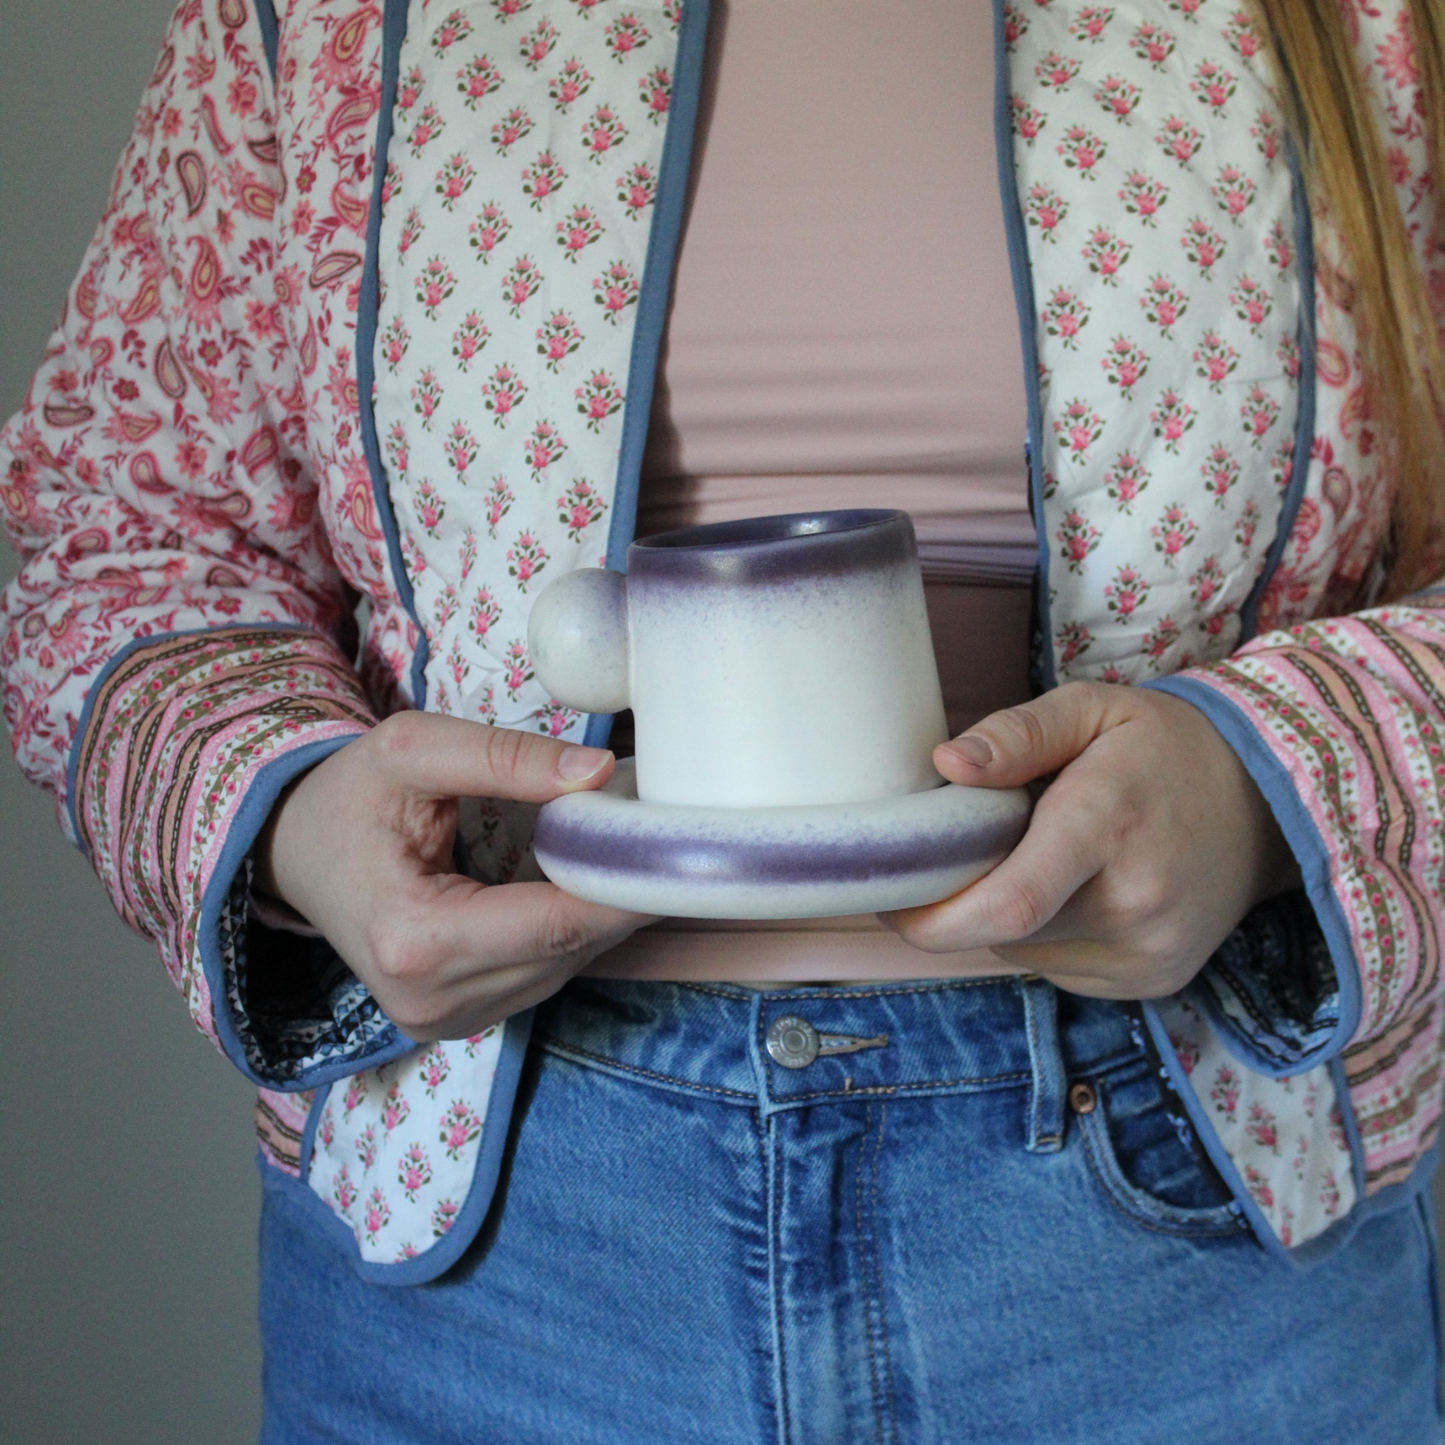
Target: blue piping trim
pixel 446 1251
pixel 1304 840
pixel 270 35
pixel 1209 1139
pixel 245 824
pixel 1384 1201
pixel 241 833
pixel 72 763
pixel 1312 1251
pixel 1304 439
pixel 1023 282
pixel 1352 1125
pixel 393 32
pixel 656 286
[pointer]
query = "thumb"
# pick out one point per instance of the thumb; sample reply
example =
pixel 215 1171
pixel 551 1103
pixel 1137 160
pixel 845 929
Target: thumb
pixel 448 757
pixel 1019 744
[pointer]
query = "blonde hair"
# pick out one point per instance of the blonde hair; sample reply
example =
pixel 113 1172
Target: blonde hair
pixel 1343 157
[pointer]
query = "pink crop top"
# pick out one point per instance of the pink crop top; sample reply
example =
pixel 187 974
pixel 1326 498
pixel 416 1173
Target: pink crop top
pixel 843 333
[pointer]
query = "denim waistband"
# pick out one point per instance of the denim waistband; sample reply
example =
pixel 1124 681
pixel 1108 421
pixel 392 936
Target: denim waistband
pixel 912 1038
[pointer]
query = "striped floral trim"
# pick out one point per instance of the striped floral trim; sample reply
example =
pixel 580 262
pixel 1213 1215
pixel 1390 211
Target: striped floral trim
pixel 280 1120
pixel 177 731
pixel 1350 710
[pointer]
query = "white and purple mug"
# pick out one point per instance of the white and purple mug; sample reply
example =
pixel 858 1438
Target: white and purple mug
pixel 769 662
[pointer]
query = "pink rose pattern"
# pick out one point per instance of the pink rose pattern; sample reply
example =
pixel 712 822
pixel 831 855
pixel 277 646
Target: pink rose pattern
pixel 561 229
pixel 396 1146
pixel 1148 216
pixel 1230 295
pixel 1382 670
pixel 276 442
pixel 1284 1135
pixel 188 460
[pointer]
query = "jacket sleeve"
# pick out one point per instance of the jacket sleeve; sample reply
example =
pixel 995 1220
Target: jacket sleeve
pixel 1340 722
pixel 176 646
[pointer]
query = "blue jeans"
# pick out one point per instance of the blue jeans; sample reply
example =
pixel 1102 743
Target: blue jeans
pixel 970 1218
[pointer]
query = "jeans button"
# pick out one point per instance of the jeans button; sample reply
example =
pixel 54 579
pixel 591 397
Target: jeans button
pixel 792 1042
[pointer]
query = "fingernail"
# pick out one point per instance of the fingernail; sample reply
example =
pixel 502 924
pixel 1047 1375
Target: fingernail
pixel 972 749
pixel 577 764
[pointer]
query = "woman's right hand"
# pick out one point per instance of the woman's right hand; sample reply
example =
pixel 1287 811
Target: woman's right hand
pixel 361 847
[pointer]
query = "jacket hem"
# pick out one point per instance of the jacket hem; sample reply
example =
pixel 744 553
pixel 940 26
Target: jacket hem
pixel 434 1261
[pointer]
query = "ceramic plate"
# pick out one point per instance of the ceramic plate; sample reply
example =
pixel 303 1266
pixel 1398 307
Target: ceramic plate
pixel 796 862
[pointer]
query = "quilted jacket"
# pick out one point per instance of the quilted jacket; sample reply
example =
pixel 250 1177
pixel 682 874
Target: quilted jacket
pixel 362 355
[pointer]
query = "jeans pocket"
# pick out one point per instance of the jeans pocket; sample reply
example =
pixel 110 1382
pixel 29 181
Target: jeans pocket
pixel 1144 1164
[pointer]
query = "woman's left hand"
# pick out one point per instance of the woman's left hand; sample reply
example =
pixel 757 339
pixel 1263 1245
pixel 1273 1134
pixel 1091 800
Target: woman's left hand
pixel 1142 854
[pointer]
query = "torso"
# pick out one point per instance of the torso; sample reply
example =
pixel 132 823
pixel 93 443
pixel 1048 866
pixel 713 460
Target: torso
pixel 843 333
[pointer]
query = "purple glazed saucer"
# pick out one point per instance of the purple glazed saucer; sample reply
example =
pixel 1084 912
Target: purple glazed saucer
pixel 811 861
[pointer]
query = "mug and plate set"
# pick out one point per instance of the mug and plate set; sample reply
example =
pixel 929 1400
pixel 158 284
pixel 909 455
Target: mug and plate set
pixel 786 704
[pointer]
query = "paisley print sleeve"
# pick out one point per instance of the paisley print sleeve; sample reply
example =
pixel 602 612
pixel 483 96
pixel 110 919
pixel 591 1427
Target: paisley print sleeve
pixel 175 647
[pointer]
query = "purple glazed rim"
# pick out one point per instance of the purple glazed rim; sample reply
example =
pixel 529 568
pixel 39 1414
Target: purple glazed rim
pixel 786 547
pixel 697 852
pixel 703 860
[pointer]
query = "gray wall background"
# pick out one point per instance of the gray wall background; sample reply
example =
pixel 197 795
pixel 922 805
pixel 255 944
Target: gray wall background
pixel 127 1250
pixel 130 1197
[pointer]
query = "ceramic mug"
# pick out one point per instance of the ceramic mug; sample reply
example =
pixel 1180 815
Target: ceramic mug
pixel 769 662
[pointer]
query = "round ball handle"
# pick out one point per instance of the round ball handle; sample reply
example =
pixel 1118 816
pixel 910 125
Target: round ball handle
pixel 577 634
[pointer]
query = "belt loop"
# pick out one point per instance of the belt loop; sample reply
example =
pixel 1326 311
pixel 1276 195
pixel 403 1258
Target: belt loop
pixel 1047 1091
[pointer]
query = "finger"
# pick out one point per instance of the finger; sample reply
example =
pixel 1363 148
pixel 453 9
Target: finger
pixel 447 757
pixel 1022 743
pixel 458 945
pixel 1060 852
pixel 470 928
pixel 478 1001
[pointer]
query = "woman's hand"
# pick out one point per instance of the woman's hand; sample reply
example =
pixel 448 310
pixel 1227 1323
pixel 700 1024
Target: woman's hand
pixel 1143 853
pixel 361 847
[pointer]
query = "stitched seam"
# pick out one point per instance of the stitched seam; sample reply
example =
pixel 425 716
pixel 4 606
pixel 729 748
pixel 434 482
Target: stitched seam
pixel 803 990
pixel 887 1416
pixel 864 1261
pixel 1135 1213
pixel 981 1081
pixel 882 991
pixel 717 991
pixel 577 1055
pixel 772 1164
pixel 887 1090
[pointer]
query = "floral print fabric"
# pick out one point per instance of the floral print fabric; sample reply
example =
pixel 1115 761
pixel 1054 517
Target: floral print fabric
pixel 1158 209
pixel 188 462
pixel 1346 712
pixel 396 1147
pixel 520 189
pixel 187 479
pixel 1129 609
pixel 1330 563
pixel 1285 1137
